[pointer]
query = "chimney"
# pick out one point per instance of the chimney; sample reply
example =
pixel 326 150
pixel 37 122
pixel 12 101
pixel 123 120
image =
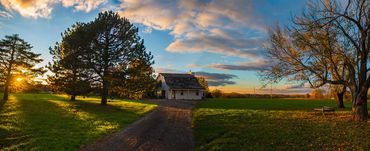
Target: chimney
pixel 190 72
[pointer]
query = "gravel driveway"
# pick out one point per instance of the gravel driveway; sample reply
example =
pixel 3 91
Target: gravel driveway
pixel 167 128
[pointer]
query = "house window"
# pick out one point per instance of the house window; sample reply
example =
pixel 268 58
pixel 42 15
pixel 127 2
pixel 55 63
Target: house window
pixel 197 93
pixel 182 93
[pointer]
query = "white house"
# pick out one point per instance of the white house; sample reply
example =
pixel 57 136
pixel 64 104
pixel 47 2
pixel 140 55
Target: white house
pixel 179 87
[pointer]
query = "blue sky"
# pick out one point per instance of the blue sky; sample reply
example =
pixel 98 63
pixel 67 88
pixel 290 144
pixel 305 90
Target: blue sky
pixel 221 40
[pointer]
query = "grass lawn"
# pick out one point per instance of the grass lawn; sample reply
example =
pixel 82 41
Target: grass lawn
pixel 278 124
pixel 52 122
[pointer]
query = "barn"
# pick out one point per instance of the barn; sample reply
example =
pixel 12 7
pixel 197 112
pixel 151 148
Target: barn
pixel 177 86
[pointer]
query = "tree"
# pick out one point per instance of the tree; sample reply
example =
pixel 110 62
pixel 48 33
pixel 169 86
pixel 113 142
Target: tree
pixel 341 58
pixel 113 43
pixel 307 56
pixel 338 91
pixel 23 82
pixel 307 95
pixel 317 94
pixel 216 93
pixel 70 74
pixel 138 83
pixel 203 82
pixel 16 57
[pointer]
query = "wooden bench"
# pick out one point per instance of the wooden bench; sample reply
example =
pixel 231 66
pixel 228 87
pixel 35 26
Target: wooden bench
pixel 325 109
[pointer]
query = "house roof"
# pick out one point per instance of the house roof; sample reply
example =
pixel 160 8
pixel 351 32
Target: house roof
pixel 181 81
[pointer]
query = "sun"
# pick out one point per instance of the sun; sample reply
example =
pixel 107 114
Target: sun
pixel 19 79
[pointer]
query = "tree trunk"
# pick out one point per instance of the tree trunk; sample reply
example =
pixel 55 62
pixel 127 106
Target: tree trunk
pixel 104 93
pixel 359 109
pixel 7 83
pixel 73 97
pixel 74 79
pixel 340 103
pixel 8 75
pixel 6 91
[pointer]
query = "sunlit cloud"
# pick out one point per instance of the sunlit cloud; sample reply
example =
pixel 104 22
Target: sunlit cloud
pixel 44 8
pixel 244 66
pixel 256 65
pixel 209 42
pixel 201 26
pixel 29 8
pixel 83 5
pixel 156 14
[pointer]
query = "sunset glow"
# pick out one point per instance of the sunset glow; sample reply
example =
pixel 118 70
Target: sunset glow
pixel 184 75
pixel 224 46
pixel 19 79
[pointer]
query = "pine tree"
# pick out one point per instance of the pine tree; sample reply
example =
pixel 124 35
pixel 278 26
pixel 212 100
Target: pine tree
pixel 113 45
pixel 17 58
pixel 139 81
pixel 70 74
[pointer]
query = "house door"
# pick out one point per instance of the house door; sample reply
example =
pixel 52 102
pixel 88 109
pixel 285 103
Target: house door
pixel 174 94
pixel 163 94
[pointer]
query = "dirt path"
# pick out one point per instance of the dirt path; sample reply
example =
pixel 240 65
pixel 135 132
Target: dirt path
pixel 165 129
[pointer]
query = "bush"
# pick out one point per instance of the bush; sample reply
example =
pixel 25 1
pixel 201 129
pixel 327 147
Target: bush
pixel 216 93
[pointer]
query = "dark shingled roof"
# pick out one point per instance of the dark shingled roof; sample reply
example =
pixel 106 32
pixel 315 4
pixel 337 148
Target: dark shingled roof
pixel 181 81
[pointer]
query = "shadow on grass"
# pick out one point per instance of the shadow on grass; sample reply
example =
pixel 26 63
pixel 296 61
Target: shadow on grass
pixel 126 110
pixel 11 120
pixel 49 122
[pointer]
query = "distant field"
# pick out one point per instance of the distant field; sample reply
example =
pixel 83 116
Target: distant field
pixel 278 124
pixel 52 122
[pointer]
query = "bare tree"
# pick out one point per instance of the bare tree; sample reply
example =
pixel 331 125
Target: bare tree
pixel 328 44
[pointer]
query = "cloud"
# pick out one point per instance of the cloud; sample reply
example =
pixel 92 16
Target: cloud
pixel 245 66
pixel 221 44
pixel 293 86
pixel 214 26
pixel 29 8
pixel 43 8
pixel 148 30
pixel 285 91
pixel 4 14
pixel 301 88
pixel 83 5
pixel 217 79
pixel 156 14
pixel 257 65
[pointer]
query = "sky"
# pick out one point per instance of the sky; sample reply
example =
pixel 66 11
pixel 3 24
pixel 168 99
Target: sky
pixel 222 40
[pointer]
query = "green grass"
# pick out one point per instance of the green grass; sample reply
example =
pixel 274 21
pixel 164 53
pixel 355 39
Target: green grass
pixel 52 122
pixel 278 124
